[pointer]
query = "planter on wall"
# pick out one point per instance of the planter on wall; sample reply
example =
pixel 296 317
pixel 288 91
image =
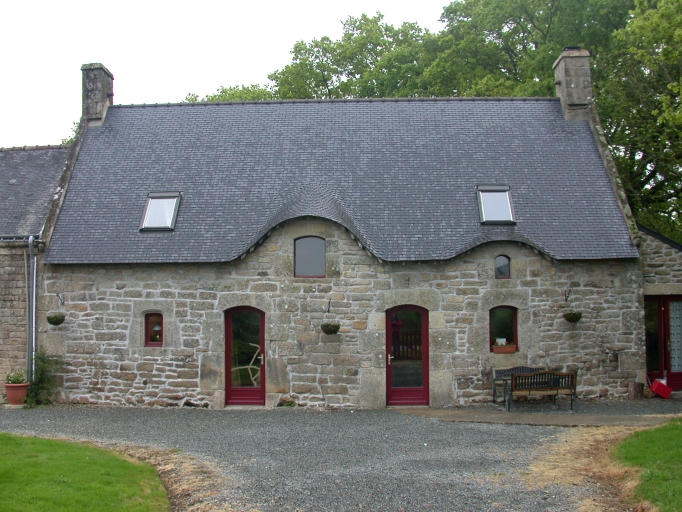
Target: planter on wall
pixel 504 349
pixel 55 319
pixel 330 328
pixel 573 316
pixel 16 393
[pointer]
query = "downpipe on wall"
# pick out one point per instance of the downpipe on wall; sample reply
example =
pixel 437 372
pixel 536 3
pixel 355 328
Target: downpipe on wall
pixel 31 342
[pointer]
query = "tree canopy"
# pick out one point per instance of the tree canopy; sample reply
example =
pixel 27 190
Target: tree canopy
pixel 507 48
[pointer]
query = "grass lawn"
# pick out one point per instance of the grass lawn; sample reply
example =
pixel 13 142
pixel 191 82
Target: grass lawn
pixel 658 452
pixel 43 474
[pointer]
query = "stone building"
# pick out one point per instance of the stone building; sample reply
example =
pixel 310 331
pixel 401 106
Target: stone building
pixel 29 180
pixel 201 249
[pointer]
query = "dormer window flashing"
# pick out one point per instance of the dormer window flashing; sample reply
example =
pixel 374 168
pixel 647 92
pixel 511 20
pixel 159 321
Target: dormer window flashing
pixel 495 204
pixel 160 211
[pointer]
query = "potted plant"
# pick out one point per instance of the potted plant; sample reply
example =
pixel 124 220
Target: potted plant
pixel 501 346
pixel 330 328
pixel 16 387
pixel 55 319
pixel 573 316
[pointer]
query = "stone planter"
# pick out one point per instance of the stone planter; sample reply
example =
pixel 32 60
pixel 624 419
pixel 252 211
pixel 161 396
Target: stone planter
pixel 16 393
pixel 504 349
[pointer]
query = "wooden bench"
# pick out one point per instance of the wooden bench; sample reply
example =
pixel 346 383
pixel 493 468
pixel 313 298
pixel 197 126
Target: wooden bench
pixel 540 384
pixel 500 375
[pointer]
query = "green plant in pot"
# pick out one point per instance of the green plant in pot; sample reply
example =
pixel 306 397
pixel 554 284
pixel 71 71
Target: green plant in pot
pixel 573 316
pixel 330 328
pixel 55 319
pixel 16 387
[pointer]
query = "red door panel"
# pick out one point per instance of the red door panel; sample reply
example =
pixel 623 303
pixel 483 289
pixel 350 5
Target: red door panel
pixel 244 356
pixel 407 351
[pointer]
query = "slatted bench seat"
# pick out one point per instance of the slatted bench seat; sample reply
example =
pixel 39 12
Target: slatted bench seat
pixel 500 375
pixel 540 384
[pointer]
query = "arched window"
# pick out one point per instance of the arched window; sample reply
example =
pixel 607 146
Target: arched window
pixel 153 330
pixel 309 257
pixel 503 326
pixel 502 267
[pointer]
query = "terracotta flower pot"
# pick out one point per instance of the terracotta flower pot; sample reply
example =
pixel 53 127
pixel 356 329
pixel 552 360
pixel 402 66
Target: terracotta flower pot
pixel 16 393
pixel 504 349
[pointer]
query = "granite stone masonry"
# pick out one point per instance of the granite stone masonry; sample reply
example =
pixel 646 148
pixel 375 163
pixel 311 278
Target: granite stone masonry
pixel 102 337
pixel 661 267
pixel 13 305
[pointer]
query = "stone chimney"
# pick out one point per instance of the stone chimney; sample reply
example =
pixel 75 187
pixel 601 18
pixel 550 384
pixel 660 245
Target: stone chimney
pixel 98 92
pixel 573 81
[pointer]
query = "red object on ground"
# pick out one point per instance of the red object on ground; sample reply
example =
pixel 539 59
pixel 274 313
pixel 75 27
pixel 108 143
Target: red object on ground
pixel 661 389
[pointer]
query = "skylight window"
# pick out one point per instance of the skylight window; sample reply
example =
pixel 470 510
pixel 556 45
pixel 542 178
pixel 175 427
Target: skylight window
pixel 161 210
pixel 495 204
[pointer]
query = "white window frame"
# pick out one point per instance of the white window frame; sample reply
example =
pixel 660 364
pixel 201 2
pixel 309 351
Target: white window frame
pixel 151 197
pixel 481 190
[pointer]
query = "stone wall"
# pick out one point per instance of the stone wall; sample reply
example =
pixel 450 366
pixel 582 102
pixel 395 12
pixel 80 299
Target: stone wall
pixel 13 310
pixel 661 267
pixel 102 338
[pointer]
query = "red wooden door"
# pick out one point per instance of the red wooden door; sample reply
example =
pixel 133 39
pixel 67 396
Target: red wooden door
pixel 663 326
pixel 244 356
pixel 407 356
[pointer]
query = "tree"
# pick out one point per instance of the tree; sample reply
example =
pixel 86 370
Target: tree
pixel 235 93
pixel 638 99
pixel 372 59
pixel 67 141
pixel 507 47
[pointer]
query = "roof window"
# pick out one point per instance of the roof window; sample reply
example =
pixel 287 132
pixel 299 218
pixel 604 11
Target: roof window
pixel 161 210
pixel 495 204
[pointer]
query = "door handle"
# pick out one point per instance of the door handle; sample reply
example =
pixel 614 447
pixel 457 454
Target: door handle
pixel 262 359
pixel 388 359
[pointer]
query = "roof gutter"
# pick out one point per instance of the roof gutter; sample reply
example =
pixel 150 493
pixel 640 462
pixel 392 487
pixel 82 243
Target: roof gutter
pixel 18 238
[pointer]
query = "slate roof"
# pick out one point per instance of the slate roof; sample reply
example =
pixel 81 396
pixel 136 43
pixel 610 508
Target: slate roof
pixel 401 175
pixel 28 181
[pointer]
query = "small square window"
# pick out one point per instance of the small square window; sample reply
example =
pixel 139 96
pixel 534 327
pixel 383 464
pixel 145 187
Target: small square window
pixel 495 204
pixel 161 210
pixel 153 330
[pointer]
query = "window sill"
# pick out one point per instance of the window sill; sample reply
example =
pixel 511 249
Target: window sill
pixel 504 349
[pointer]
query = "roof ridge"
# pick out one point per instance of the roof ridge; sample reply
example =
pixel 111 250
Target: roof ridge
pixel 343 100
pixel 30 148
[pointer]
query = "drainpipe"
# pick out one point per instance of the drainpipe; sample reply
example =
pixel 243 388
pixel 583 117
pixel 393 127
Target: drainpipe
pixel 31 297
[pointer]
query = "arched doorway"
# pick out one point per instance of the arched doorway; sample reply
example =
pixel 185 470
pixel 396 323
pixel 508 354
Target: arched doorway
pixel 407 356
pixel 244 356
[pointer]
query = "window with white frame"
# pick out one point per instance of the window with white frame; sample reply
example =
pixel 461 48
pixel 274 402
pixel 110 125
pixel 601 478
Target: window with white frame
pixel 160 211
pixel 495 204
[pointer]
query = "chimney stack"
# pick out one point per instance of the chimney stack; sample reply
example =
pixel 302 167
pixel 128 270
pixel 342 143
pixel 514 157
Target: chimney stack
pixel 573 81
pixel 98 92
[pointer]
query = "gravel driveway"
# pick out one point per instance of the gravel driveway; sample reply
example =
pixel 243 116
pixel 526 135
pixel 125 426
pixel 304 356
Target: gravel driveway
pixel 295 459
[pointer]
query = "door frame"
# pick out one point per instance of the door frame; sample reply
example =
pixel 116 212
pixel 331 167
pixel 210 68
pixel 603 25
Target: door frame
pixel 673 379
pixel 243 395
pixel 413 395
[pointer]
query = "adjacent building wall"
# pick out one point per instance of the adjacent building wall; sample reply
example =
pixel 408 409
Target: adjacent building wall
pixel 661 266
pixel 13 308
pixel 102 338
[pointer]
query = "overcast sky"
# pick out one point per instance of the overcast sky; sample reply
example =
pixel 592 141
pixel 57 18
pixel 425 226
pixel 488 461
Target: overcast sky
pixel 157 51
